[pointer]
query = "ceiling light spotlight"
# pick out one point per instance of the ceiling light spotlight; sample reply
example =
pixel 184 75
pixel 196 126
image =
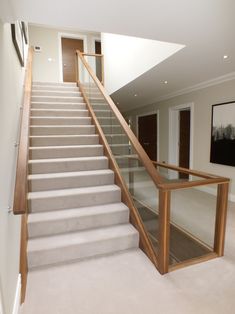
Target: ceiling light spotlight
pixel 225 57
pixel 117 103
pixel 165 82
pixel 135 95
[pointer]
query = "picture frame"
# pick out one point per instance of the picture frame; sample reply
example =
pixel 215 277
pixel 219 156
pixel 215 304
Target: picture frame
pixel 223 134
pixel 17 38
pixel 25 32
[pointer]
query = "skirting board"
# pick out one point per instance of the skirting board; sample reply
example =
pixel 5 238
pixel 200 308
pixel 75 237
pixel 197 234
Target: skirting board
pixel 207 189
pixel 16 307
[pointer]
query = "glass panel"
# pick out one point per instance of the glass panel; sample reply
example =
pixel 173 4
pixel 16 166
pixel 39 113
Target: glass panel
pixel 192 229
pixel 140 184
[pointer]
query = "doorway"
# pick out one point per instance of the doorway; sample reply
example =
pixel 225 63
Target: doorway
pixel 180 138
pixel 148 134
pixel 69 47
pixel 98 64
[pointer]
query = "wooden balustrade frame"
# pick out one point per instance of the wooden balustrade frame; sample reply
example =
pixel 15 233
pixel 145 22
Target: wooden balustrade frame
pixel 162 259
pixel 97 55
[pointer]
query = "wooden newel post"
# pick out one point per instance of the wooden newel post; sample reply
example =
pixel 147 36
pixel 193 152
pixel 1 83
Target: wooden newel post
pixel 221 216
pixel 164 230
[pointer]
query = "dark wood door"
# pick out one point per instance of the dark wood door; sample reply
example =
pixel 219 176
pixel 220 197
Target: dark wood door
pixel 69 47
pixel 184 141
pixel 147 128
pixel 98 60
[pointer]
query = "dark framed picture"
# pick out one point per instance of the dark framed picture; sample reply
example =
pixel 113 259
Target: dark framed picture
pixel 223 134
pixel 25 31
pixel 17 38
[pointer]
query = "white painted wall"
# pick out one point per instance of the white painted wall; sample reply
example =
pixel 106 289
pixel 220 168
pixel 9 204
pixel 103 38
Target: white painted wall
pixel 126 58
pixel 11 88
pixel 49 39
pixel 203 100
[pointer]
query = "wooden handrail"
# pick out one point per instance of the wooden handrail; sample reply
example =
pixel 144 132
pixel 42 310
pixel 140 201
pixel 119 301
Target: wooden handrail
pixel 134 141
pixel 92 54
pixel 101 56
pixel 21 183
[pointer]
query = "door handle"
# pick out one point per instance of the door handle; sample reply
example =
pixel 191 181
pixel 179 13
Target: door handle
pixel 64 65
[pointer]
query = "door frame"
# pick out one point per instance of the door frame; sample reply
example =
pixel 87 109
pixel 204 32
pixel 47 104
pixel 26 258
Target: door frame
pixel 94 39
pixel 173 141
pixel 149 113
pixel 71 36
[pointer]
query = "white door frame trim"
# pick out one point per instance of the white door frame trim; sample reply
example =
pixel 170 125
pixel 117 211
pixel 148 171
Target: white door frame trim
pixel 94 39
pixel 72 36
pixel 173 148
pixel 148 114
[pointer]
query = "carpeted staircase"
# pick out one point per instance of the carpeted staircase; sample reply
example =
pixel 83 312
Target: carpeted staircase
pixel 75 208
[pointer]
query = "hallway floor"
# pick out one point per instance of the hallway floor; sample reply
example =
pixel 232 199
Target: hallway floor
pixel 127 283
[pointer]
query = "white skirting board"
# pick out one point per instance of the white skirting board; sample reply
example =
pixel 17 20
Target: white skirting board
pixel 16 307
pixel 207 189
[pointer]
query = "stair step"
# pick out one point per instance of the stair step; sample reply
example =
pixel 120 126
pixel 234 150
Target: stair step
pixel 56 105
pixel 104 113
pixel 56 84
pixel 59 93
pixel 112 129
pixel 73 198
pixel 62 130
pixel 60 120
pixel 55 140
pixel 70 220
pixel 44 152
pixel 57 99
pixel 59 113
pixel 55 88
pixel 66 180
pixel 67 164
pixel 80 245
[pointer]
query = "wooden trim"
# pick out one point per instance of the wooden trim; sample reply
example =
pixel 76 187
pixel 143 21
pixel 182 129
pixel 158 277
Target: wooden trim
pixel 21 183
pixel 188 171
pixel 91 54
pixel 136 145
pixel 190 184
pixel 102 69
pixel 221 216
pixel 193 261
pixel 23 256
pixel 164 231
pixel 145 243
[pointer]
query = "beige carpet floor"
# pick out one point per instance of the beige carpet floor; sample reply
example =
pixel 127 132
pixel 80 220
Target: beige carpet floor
pixel 127 283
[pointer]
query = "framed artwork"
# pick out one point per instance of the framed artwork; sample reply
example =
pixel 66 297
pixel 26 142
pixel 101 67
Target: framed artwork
pixel 25 31
pixel 17 38
pixel 223 134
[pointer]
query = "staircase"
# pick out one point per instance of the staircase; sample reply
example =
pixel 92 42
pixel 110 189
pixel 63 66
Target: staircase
pixel 75 209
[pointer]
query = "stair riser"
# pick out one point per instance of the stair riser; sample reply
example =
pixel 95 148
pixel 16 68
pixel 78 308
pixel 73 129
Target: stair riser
pixel 82 251
pixel 120 150
pixel 80 106
pixel 112 130
pixel 74 201
pixel 72 84
pixel 57 141
pixel 54 113
pixel 117 139
pixel 62 130
pixel 70 182
pixel 55 88
pixel 58 93
pixel 107 120
pixel 98 106
pixel 67 166
pixel 57 99
pixel 61 121
pixel 73 224
pixel 104 113
pixel 37 153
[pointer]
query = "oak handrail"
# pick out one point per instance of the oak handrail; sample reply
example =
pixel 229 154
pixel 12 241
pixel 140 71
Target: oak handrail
pixel 101 56
pixel 137 146
pixel 21 183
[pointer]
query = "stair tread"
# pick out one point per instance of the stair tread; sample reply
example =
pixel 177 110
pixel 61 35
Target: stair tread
pixel 52 160
pixel 81 237
pixel 62 126
pixel 59 110
pixel 66 146
pixel 59 118
pixel 64 136
pixel 76 212
pixel 73 191
pixel 68 174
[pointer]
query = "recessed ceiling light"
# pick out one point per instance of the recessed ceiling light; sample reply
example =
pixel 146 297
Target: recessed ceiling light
pixel 165 82
pixel 225 57
pixel 135 95
pixel 117 103
pixel 50 59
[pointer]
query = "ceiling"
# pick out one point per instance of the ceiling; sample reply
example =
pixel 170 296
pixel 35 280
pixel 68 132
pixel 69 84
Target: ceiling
pixel 206 27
